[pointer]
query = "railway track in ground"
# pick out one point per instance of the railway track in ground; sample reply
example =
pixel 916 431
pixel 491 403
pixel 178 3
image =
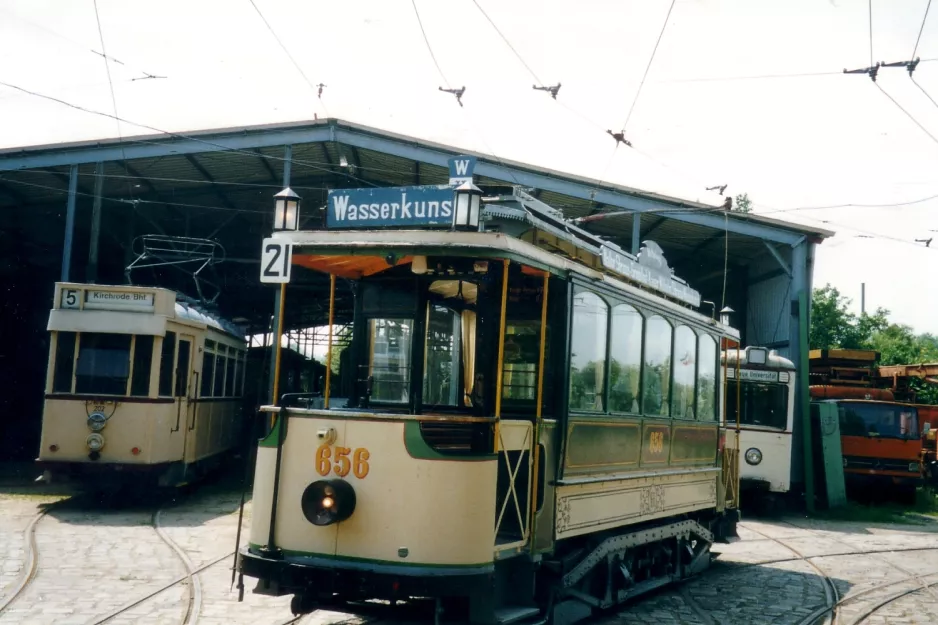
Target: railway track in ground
pixel 193 604
pixel 32 561
pixel 920 579
pixel 831 594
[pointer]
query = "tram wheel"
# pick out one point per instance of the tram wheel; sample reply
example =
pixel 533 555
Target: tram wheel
pixel 302 604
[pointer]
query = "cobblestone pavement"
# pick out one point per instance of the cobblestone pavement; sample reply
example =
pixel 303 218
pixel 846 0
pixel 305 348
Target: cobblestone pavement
pixel 93 562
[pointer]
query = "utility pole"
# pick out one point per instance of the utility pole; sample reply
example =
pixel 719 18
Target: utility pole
pixel 863 298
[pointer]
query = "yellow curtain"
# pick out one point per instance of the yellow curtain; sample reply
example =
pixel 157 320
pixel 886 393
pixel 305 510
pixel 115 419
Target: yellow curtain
pixel 468 327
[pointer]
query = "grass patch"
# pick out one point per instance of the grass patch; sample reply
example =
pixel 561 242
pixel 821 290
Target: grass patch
pixel 926 505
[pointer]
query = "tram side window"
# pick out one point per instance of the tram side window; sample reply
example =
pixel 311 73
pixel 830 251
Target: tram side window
pixel 706 378
pixel 143 356
pixel 103 363
pixel 522 352
pixel 625 359
pixel 588 352
pixel 167 355
pixel 684 363
pixel 657 367
pixel 219 388
pixel 208 368
pixel 389 359
pixel 230 375
pixel 64 362
pixel 441 376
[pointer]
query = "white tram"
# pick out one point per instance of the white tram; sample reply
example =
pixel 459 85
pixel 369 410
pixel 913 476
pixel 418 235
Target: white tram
pixel 141 388
pixel 765 398
pixel 532 420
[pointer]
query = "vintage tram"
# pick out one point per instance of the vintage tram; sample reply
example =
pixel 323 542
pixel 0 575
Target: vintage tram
pixel 533 422
pixel 761 390
pixel 143 388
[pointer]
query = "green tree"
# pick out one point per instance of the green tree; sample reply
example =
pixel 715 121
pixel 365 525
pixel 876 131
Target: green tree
pixel 898 344
pixel 834 326
pixel 742 204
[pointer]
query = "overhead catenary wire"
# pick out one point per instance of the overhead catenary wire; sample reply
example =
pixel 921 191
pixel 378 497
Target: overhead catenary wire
pixel 429 47
pixel 508 43
pixel 907 113
pixel 648 67
pixel 315 88
pixel 921 30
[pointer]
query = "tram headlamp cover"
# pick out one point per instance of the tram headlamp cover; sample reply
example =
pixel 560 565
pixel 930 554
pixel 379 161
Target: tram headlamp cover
pixel 753 456
pixel 95 442
pixel 96 421
pixel 325 502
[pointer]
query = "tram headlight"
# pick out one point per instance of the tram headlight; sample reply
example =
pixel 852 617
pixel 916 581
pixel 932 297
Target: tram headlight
pixel 753 456
pixel 325 502
pixel 95 442
pixel 96 421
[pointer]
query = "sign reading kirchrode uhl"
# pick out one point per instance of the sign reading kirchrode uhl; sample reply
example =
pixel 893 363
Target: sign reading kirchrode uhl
pixel 391 207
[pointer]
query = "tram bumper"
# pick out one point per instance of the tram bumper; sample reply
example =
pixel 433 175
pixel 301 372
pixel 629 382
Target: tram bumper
pixel 332 582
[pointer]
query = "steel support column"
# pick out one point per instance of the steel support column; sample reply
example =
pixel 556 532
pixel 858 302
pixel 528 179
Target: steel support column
pixel 69 222
pixel 271 383
pixel 797 332
pixel 92 276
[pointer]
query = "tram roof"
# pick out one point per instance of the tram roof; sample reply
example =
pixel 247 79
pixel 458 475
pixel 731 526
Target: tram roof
pixel 220 183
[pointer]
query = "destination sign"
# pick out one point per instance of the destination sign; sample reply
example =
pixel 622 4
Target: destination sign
pixel 755 375
pixel 121 300
pixel 651 270
pixel 395 207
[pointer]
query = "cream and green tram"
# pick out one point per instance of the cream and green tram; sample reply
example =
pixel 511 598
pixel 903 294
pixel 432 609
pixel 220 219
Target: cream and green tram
pixel 523 426
pixel 764 400
pixel 141 389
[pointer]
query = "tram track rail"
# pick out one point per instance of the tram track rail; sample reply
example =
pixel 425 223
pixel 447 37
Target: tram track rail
pixel 32 561
pixel 910 576
pixel 831 594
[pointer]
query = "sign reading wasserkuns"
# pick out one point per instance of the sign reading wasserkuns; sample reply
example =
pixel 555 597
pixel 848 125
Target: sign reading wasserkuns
pixel 395 207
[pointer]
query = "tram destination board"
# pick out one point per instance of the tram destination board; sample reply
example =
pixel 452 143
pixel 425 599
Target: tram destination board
pixel 429 206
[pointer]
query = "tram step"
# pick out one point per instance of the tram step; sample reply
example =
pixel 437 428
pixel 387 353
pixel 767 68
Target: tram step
pixel 516 614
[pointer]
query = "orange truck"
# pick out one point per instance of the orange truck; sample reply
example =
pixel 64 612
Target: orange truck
pixel 881 445
pixel 899 378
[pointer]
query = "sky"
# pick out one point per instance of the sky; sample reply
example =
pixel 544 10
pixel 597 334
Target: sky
pixel 712 110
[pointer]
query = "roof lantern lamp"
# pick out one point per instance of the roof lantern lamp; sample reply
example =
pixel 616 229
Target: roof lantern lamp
pixel 725 315
pixel 468 204
pixel 286 210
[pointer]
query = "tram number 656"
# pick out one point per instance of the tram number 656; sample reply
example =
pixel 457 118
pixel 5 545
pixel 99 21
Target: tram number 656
pixel 656 442
pixel 342 464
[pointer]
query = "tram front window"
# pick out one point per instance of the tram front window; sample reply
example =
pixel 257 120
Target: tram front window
pixel 389 362
pixel 103 363
pixel 761 404
pixel 441 371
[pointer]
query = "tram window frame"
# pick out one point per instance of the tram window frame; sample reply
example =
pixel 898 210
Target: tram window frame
pixel 167 364
pixel 208 370
pixel 218 388
pixel 406 354
pixel 141 363
pixel 93 383
pixel 638 387
pixel 63 376
pixel 692 404
pixel 747 393
pixel 712 415
pixel 456 381
pixel 667 378
pixel 601 341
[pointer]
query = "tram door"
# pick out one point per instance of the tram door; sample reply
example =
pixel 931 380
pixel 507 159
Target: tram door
pixel 182 391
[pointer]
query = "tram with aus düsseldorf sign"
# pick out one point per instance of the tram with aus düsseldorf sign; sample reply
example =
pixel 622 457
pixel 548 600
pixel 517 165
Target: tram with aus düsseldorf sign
pixel 521 435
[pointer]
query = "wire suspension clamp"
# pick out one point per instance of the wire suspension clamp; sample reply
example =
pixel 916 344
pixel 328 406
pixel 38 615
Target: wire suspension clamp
pixel 620 137
pixel 553 90
pixel 456 92
pixel 871 71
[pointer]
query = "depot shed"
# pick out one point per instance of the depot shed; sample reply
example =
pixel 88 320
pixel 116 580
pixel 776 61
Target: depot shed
pixel 79 211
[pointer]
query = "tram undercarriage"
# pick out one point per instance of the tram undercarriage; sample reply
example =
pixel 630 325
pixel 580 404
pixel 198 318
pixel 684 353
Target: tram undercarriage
pixel 593 573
